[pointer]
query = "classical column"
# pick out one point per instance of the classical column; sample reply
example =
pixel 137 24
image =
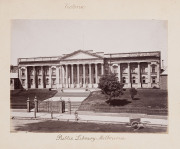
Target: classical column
pixel 96 76
pixel 50 77
pixel 57 76
pixel 66 76
pixel 77 75
pixel 34 79
pixel 84 76
pixel 42 86
pixel 158 74
pixel 119 72
pixel 102 69
pixel 139 76
pixel 129 76
pixel 90 81
pixel 149 75
pixel 19 74
pixel 26 78
pixel 63 83
pixel 72 76
pixel 60 76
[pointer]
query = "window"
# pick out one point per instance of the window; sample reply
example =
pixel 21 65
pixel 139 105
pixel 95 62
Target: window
pixel 39 81
pixel 31 81
pixel 133 69
pixel 47 81
pixel 39 71
pixel 153 79
pixel 115 69
pixel 153 68
pixel 53 71
pixel 143 69
pixel 144 79
pixel 124 80
pixel 124 69
pixel 53 81
pixel 23 82
pixel 31 72
pixel 23 72
pixel 134 80
pixel 47 71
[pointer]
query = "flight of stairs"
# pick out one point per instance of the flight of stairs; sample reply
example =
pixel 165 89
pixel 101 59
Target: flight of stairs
pixel 73 96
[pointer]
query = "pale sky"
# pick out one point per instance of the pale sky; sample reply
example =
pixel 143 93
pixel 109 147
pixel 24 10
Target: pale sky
pixel 38 38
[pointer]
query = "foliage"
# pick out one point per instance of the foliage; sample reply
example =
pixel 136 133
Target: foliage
pixel 133 92
pixel 110 85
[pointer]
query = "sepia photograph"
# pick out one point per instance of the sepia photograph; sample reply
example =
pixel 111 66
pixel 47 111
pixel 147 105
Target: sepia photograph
pixel 100 76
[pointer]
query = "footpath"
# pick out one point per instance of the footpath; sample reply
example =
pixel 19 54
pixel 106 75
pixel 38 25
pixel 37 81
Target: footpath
pixel 90 117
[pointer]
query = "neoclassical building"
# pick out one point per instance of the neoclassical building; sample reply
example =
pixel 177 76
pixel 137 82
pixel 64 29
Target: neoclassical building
pixel 84 68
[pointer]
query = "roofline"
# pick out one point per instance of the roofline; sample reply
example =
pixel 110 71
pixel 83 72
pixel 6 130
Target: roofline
pixel 132 52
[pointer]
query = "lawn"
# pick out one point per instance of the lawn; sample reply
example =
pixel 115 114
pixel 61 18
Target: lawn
pixel 146 99
pixel 20 96
pixel 60 126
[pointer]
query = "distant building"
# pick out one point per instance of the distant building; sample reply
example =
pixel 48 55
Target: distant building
pixel 14 79
pixel 82 69
pixel 164 79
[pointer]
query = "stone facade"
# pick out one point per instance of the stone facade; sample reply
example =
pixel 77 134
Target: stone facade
pixel 82 69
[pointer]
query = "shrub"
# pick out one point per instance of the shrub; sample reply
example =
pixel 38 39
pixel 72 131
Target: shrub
pixel 110 86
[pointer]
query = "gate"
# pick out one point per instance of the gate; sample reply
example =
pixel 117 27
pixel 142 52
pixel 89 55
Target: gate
pixel 51 106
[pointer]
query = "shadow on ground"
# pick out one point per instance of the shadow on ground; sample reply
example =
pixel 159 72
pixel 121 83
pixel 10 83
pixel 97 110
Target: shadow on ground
pixel 60 126
pixel 118 102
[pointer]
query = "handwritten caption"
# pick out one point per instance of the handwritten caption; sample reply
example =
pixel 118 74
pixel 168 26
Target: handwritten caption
pixel 61 137
pixel 77 4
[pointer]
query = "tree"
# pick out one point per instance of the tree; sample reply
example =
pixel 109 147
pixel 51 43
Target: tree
pixel 110 85
pixel 133 92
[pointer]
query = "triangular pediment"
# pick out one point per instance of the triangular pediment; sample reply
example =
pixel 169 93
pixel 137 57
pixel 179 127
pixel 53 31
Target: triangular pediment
pixel 81 55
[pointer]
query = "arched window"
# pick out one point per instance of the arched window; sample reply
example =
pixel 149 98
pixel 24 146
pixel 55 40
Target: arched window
pixel 153 79
pixel 153 68
pixel 124 80
pixel 23 72
pixel 143 79
pixel 133 80
pixel 53 71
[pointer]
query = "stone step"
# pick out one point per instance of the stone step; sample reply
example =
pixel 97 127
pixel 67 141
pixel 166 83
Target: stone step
pixel 71 94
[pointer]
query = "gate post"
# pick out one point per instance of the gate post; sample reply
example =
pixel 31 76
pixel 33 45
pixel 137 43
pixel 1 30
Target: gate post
pixel 35 106
pixel 28 105
pixel 69 106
